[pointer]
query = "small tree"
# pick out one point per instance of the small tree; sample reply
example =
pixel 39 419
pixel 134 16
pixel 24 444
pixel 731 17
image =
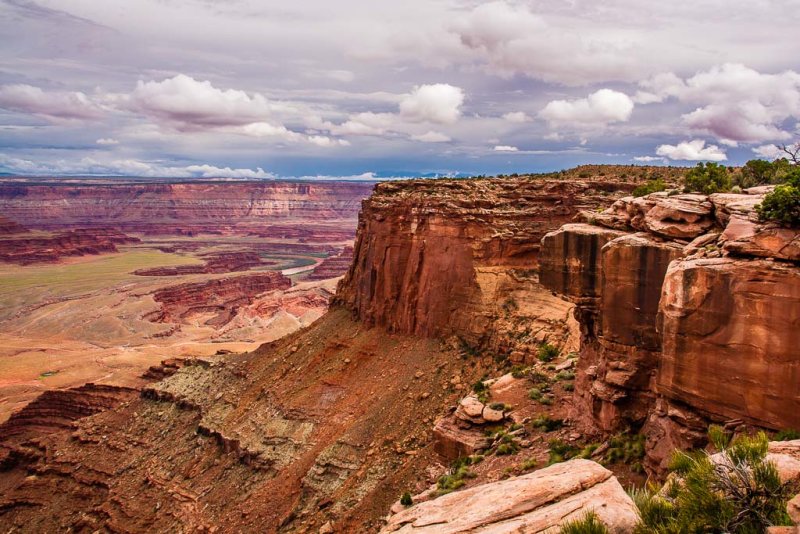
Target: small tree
pixel 707 178
pixel 738 491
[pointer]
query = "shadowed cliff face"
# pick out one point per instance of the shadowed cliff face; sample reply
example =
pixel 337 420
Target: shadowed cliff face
pixel 678 334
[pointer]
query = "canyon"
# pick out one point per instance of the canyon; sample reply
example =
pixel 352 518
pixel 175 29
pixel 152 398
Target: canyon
pixel 93 270
pixel 640 320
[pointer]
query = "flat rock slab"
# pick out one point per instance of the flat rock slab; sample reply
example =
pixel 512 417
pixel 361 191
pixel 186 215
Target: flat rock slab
pixel 538 502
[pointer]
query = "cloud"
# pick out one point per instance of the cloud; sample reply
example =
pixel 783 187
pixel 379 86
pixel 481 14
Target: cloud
pixel 695 150
pixel 193 104
pixel 107 141
pixel 733 102
pixel 54 105
pixel 432 137
pixel 439 103
pixel 598 109
pixel 648 159
pixel 516 116
pixel 768 151
pixel 505 148
pixel 126 167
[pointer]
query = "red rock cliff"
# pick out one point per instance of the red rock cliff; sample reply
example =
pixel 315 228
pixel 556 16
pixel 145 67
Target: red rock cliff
pixel 440 257
pixel 682 323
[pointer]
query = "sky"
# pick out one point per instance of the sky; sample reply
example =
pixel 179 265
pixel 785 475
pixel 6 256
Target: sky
pixel 365 88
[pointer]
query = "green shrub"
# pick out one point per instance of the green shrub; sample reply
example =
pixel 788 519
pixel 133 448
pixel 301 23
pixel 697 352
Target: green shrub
pixel 505 449
pixel 547 424
pixel 740 493
pixel 652 186
pixel 625 448
pixel 548 352
pixel 455 479
pixel 406 500
pixel 760 172
pixel 707 178
pixel 782 205
pixel 588 524
pixel 786 435
pixel 568 386
pixel 565 375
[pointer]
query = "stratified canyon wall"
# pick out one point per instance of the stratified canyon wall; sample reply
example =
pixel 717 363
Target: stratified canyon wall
pixel 452 257
pixel 263 208
pixel 690 314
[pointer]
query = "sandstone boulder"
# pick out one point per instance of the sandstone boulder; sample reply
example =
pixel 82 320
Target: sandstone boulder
pixel 744 237
pixel 538 502
pixel 680 216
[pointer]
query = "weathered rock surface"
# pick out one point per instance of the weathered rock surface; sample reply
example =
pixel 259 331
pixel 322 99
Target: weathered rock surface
pixel 215 301
pixel 223 262
pixel 333 266
pixel 537 502
pixel 676 335
pixel 26 249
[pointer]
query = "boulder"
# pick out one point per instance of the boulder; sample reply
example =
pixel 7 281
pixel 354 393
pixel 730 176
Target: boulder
pixel 680 216
pixel 744 237
pixel 541 501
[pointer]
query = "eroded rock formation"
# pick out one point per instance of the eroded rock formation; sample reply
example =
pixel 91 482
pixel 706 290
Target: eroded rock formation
pixel 222 262
pixel 333 266
pixel 687 321
pixel 25 248
pixel 214 301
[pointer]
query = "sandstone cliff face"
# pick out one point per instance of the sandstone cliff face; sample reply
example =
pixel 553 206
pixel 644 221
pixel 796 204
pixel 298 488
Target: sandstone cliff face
pixel 25 249
pixel 682 323
pixel 454 257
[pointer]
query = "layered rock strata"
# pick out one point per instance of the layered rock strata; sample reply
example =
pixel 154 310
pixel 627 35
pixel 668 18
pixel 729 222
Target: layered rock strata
pixel 26 249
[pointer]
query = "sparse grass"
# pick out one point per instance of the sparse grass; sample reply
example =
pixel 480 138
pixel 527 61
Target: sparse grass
pixel 568 386
pixel 546 423
pixel 535 394
pixel 548 352
pixel 588 524
pixel 565 375
pixel 457 477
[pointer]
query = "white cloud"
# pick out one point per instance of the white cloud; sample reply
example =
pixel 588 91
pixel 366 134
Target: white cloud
pixel 54 105
pixel 734 103
pixel 516 116
pixel 695 150
pixel 432 137
pixel 598 109
pixel 505 148
pixel 647 159
pixel 768 151
pixel 325 141
pixel 191 104
pixel 439 103
pixel 107 141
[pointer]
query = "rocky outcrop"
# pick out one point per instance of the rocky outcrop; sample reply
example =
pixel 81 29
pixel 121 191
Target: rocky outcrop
pixel 333 266
pixel 265 208
pixel 57 409
pixel 26 249
pixel 686 317
pixel 215 301
pixel 7 227
pixel 458 257
pixel 222 262
pixel 538 502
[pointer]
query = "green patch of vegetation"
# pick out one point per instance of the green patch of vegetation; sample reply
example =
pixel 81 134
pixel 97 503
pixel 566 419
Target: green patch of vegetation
pixel 760 172
pixel 783 203
pixel 457 477
pixel 406 500
pixel 652 186
pixel 48 373
pixel 561 451
pixel 546 423
pixel 468 349
pixel 565 375
pixel 588 524
pixel 568 386
pixel 535 394
pixel 786 435
pixel 505 449
pixel 538 377
pixel 481 391
pixel 625 448
pixel 740 492
pixel 501 407
pixel 707 178
pixel 519 371
pixel 547 352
